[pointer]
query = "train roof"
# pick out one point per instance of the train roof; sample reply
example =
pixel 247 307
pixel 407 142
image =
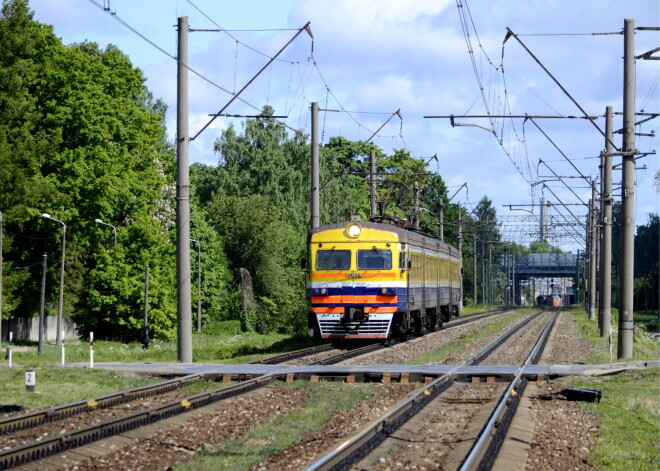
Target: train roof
pixel 406 236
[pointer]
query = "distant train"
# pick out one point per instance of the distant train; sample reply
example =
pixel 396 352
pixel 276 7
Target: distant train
pixel 368 280
pixel 549 300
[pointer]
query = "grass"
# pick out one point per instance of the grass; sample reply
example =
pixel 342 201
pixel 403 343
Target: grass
pixel 629 414
pixel 629 411
pixel 472 308
pixel 56 385
pixel 278 433
pixel 60 385
pixel 218 345
pixel 645 346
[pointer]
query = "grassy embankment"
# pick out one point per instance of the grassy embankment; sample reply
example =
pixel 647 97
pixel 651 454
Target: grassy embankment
pixel 629 412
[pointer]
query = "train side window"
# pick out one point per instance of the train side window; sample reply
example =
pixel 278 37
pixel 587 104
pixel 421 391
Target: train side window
pixel 402 261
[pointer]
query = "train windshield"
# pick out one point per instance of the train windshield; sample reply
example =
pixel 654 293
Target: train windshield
pixel 374 259
pixel 333 259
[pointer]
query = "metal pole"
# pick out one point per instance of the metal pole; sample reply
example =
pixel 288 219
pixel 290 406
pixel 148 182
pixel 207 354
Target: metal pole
pixel 372 183
pixel 42 304
pixel 315 209
pixel 114 229
pixel 592 253
pixel 625 343
pixel 184 310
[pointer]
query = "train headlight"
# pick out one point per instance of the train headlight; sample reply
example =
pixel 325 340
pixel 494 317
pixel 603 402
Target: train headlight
pixel 383 291
pixel 324 291
pixel 353 230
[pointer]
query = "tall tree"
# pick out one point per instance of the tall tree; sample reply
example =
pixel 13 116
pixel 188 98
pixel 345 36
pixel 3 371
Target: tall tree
pixel 81 138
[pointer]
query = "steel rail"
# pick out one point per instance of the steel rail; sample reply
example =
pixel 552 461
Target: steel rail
pixel 59 412
pixel 356 448
pixel 483 453
pixel 45 447
pixel 287 356
pixel 333 360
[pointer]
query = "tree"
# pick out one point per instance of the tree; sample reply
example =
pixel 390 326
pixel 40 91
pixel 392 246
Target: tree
pixel 81 138
pixel 647 258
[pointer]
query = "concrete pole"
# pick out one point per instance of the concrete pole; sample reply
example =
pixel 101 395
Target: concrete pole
pixel 42 304
pixel 507 274
pixel 483 274
pixel 544 220
pixel 474 269
pixel 460 255
pixel 587 261
pixel 491 297
pixel 145 324
pixel 441 221
pixel 184 309
pixel 372 184
pixel 60 303
pixel 415 220
pixel 315 206
pixel 592 253
pixel 513 281
pixel 577 278
pixel 625 342
pixel 0 276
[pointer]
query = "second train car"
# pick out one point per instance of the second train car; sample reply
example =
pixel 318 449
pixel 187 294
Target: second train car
pixel 368 280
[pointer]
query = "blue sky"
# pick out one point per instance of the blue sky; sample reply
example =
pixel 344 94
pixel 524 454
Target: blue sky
pixel 372 57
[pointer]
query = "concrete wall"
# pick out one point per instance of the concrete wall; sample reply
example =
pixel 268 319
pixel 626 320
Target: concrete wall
pixel 27 328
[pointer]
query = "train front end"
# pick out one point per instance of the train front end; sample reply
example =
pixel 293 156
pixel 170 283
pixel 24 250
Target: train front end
pixel 354 284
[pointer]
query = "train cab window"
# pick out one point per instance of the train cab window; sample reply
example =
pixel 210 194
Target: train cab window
pixel 374 259
pixel 333 259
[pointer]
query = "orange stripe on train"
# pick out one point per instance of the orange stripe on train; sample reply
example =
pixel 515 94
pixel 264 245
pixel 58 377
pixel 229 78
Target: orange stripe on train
pixel 340 310
pixel 362 275
pixel 354 299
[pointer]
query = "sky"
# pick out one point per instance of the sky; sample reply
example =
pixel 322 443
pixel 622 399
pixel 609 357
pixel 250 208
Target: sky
pixel 369 58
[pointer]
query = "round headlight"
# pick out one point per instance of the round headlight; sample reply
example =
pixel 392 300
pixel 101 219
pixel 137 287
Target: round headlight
pixel 324 291
pixel 353 230
pixel 383 291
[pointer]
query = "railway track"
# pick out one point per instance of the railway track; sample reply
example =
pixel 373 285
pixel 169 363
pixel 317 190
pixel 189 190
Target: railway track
pixel 39 417
pixel 42 445
pixel 374 445
pixel 346 354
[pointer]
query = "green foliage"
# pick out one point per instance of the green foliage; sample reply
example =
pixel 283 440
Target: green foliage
pixel 82 138
pixel 647 260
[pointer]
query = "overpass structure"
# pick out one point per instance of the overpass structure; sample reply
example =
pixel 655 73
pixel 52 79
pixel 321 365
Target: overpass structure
pixel 541 274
